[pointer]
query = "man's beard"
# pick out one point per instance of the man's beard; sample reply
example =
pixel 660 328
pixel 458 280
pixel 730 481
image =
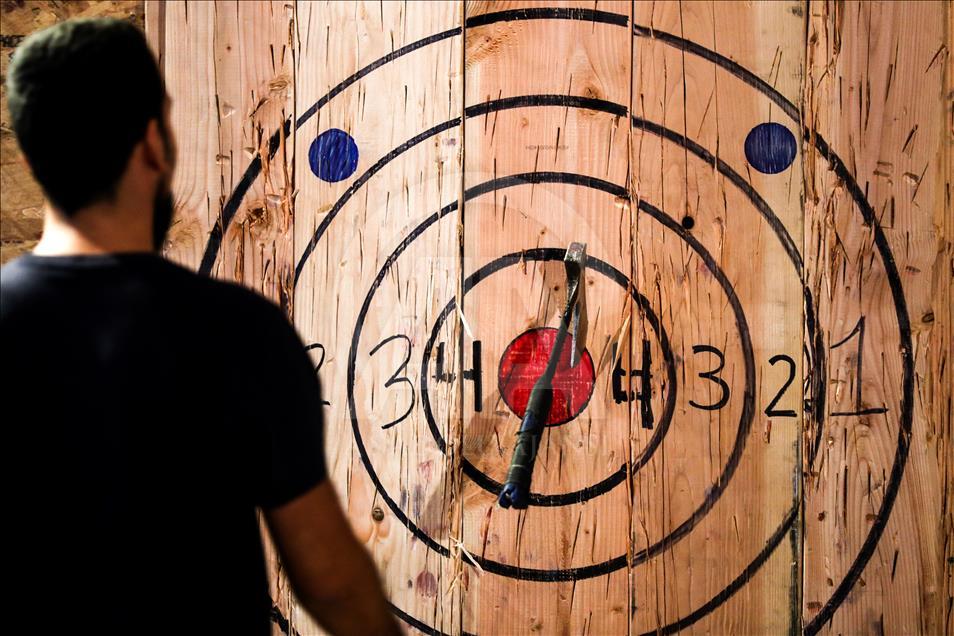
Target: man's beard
pixel 162 208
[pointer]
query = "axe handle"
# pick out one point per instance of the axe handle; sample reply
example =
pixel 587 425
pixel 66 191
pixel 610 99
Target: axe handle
pixel 516 490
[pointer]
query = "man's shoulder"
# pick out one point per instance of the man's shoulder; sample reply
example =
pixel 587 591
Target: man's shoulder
pixel 12 274
pixel 227 296
pixel 15 280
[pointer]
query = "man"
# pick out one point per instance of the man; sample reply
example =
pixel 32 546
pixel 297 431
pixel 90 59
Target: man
pixel 150 411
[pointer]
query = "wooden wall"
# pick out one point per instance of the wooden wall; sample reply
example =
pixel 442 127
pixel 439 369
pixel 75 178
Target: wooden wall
pixel 765 190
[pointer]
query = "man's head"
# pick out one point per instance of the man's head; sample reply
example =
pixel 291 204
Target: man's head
pixel 88 106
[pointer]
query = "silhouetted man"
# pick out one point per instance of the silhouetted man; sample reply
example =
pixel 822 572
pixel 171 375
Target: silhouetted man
pixel 150 411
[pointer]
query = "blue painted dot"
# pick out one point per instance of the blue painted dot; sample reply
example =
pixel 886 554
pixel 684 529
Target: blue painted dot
pixel 333 155
pixel 770 148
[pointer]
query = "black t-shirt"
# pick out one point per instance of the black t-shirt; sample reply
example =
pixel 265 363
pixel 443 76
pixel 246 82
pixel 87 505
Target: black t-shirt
pixel 148 412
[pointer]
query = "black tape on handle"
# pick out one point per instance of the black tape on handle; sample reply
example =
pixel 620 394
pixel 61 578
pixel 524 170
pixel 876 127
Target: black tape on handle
pixel 516 490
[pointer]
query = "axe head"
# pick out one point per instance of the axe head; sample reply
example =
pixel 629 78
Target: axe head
pixel 575 263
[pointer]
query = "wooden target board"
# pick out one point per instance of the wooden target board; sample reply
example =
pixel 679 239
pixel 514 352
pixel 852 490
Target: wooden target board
pixel 744 446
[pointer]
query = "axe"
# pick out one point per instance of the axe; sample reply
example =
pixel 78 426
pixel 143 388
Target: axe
pixel 516 490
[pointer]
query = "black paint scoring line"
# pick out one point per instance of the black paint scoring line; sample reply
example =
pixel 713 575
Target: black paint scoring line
pixel 548 13
pixel 725 63
pixel 418 624
pixel 563 101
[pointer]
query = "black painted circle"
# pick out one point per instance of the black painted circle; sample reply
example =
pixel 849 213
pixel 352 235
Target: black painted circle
pixel 745 420
pixel 605 485
pixel 817 349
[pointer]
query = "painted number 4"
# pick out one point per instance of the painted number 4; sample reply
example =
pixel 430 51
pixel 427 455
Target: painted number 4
pixel 644 395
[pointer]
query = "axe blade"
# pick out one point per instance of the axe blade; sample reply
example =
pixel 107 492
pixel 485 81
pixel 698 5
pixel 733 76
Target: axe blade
pixel 575 263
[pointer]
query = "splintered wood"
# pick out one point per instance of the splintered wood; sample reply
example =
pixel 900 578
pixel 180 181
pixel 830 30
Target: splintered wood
pixel 758 437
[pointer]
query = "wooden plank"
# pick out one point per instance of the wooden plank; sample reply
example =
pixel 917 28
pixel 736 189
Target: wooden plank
pixel 941 347
pixel 359 72
pixel 875 537
pixel 254 80
pixel 183 35
pixel 715 506
pixel 229 70
pixel 561 52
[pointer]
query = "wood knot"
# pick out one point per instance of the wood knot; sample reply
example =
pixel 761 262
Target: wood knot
pixel 592 92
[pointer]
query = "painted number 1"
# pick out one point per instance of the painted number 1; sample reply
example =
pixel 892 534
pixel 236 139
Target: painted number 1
pixel 859 329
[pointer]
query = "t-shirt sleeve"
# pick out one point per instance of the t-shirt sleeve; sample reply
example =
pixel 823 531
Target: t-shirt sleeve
pixel 288 420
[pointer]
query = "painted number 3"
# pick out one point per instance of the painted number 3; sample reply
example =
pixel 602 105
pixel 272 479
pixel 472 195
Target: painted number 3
pixel 397 377
pixel 713 376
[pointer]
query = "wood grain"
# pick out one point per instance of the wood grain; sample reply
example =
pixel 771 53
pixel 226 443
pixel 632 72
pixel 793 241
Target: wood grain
pixel 183 37
pixel 738 497
pixel 382 110
pixel 875 93
pixel 229 71
pixel 549 57
pixel 740 520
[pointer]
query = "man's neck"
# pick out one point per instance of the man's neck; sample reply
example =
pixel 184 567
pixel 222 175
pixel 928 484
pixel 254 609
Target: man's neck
pixel 90 231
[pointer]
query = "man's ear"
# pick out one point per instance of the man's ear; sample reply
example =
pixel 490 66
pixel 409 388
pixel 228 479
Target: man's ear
pixel 154 148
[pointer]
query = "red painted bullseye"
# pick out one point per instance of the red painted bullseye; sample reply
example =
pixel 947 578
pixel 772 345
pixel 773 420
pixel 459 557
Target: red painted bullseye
pixel 522 365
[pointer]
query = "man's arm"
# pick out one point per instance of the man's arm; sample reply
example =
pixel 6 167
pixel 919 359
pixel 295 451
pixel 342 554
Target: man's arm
pixel 330 572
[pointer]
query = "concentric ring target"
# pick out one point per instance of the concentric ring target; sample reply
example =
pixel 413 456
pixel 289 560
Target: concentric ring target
pixel 864 208
pixel 745 421
pixel 616 478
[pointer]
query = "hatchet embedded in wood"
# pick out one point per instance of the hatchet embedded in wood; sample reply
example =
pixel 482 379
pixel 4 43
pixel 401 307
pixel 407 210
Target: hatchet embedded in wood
pixel 516 490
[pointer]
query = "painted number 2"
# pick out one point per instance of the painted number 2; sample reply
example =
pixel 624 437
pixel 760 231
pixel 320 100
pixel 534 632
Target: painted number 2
pixel 770 410
pixel 317 346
